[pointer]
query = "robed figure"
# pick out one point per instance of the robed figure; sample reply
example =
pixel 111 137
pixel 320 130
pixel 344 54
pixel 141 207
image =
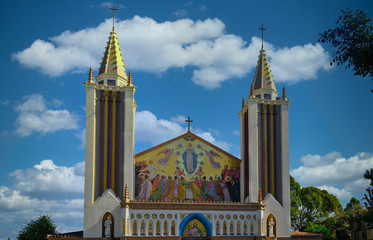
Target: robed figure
pixel 190 159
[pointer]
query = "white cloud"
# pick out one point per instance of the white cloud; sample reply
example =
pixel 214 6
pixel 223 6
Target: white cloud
pixel 34 116
pixel 157 46
pixel 81 136
pixel 151 129
pixel 339 175
pixel 48 180
pixel 44 189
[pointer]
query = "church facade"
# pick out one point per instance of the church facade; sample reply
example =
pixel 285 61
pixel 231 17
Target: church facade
pixel 185 188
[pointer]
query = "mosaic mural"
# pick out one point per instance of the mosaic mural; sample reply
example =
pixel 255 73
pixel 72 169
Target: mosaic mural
pixel 195 229
pixel 187 168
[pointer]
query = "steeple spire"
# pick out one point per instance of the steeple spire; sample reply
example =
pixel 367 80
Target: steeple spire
pixel 112 70
pixel 262 29
pixel 113 9
pixel 264 85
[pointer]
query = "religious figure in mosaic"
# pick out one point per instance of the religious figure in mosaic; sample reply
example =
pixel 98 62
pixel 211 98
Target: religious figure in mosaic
pixel 194 231
pixel 146 188
pixel 211 154
pixel 164 160
pixel 190 159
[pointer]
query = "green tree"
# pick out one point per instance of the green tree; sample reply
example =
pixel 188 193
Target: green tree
pixel 368 197
pixel 310 204
pixel 37 229
pixel 352 38
pixel 318 228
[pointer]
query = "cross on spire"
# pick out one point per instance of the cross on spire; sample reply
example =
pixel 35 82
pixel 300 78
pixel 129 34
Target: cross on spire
pixel 188 121
pixel 262 33
pixel 113 9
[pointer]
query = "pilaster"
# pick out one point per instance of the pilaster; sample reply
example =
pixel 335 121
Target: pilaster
pixel 285 172
pixel 253 148
pixel 129 138
pixel 89 147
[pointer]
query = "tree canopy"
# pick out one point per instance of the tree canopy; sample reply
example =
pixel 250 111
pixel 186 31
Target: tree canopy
pixel 310 204
pixel 353 40
pixel 37 229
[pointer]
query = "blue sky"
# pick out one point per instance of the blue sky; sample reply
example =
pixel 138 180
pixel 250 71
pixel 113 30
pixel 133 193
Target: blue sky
pixel 189 58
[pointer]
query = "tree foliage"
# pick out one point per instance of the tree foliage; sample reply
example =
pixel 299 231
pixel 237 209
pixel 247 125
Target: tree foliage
pixel 37 229
pixel 318 228
pixel 310 204
pixel 368 197
pixel 353 40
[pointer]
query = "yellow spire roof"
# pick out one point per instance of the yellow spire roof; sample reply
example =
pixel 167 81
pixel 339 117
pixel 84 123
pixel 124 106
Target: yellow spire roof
pixel 263 79
pixel 112 63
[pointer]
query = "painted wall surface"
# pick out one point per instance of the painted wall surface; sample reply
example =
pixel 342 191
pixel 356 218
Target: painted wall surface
pixel 187 169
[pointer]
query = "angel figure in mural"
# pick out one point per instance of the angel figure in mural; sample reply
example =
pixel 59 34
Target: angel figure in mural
pixel 168 153
pixel 211 154
pixel 190 159
pixel 107 225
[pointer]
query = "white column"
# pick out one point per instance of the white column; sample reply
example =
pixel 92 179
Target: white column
pixel 89 153
pixel 243 178
pixel 129 137
pixel 285 171
pixel 253 149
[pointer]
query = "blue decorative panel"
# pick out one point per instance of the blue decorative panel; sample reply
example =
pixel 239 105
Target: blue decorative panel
pixel 101 82
pixel 267 96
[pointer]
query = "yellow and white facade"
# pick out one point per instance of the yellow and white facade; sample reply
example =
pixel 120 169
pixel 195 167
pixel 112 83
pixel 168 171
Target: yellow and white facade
pixel 185 188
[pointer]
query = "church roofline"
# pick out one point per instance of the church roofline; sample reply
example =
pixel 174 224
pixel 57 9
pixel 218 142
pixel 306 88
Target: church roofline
pixel 184 136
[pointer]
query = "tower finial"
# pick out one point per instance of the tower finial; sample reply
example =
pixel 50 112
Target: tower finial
pixel 90 76
pixel 243 103
pixel 260 196
pixel 252 90
pixel 284 93
pixel 262 33
pixel 113 9
pixel 130 83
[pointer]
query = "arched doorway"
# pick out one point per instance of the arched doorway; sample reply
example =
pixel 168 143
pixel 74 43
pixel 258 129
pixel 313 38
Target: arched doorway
pixel 195 226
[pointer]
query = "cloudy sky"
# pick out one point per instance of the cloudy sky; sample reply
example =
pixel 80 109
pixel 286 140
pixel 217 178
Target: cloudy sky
pixel 189 58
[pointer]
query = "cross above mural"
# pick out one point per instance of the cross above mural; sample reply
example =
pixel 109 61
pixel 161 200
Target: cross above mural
pixel 188 121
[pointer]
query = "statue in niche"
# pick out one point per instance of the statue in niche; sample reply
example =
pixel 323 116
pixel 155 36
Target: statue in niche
pixel 107 225
pixel 271 224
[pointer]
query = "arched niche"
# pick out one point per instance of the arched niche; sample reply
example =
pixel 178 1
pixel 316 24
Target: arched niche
pixel 271 226
pixel 104 219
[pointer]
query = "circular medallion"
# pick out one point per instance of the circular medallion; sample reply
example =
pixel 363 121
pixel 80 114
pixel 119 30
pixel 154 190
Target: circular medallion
pixel 242 217
pixel 161 216
pixel 139 216
pixel 235 217
pixel 169 216
pixel 221 216
pixel 146 216
pixel 248 217
pixel 254 217
pixel 175 216
pixel 154 216
pixel 228 217
pixel 132 216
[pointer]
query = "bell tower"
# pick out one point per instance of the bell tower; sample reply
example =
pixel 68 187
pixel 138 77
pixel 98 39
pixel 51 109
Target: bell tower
pixel 109 151
pixel 264 125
